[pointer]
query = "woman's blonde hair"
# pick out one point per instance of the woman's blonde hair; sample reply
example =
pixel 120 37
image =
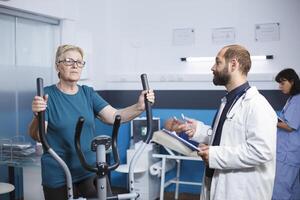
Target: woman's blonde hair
pixel 62 49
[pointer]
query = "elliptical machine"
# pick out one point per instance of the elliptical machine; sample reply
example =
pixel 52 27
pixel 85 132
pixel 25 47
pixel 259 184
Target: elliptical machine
pixel 46 146
pixel 99 144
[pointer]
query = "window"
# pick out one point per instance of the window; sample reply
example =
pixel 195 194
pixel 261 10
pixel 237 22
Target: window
pixel 28 42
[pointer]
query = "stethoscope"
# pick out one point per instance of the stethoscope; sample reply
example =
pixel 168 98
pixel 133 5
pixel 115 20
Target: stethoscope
pixel 210 130
pixel 234 101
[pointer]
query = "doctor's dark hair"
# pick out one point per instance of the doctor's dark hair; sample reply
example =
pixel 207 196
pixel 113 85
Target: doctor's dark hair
pixel 290 75
pixel 241 54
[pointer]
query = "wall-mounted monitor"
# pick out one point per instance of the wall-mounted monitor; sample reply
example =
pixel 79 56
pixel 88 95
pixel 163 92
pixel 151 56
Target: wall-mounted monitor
pixel 139 128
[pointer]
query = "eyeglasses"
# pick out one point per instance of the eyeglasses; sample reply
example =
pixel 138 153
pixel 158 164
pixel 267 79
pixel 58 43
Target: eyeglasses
pixel 71 62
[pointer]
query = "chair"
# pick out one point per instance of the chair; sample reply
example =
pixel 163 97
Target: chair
pixel 6 188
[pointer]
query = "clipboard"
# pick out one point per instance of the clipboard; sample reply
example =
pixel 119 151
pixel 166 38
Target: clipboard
pixel 186 143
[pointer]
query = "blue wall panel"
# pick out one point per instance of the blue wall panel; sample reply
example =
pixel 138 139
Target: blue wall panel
pixel 190 171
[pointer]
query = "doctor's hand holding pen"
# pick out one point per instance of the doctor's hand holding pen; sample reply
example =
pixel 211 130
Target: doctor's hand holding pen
pixel 189 126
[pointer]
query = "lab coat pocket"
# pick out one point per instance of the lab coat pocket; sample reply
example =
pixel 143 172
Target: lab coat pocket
pixel 233 129
pixel 237 186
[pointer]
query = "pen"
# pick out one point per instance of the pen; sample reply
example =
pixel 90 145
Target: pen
pixel 183 117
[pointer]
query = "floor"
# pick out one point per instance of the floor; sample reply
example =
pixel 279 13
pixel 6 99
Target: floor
pixel 167 195
pixel 182 196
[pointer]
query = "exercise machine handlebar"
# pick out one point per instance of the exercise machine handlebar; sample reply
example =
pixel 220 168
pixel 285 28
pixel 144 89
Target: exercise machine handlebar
pixel 46 146
pixel 115 142
pixel 82 159
pixel 41 115
pixel 149 134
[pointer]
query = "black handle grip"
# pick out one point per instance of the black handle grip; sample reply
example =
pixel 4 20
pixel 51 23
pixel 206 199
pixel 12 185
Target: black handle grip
pixel 148 109
pixel 145 82
pixel 81 157
pixel 40 87
pixel 41 115
pixel 114 143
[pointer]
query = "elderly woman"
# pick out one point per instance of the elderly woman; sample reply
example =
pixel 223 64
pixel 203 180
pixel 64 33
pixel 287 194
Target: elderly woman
pixel 287 178
pixel 63 103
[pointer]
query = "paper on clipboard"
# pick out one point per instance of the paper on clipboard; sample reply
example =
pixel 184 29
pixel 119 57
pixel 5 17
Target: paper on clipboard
pixel 186 143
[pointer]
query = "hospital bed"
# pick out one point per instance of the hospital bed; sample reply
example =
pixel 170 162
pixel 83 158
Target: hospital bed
pixel 177 151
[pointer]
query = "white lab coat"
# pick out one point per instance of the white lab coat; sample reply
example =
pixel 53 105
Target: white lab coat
pixel 244 162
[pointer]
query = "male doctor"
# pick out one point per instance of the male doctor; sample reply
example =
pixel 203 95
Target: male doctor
pixel 239 149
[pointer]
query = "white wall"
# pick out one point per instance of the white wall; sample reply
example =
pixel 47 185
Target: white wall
pixel 140 39
pixel 55 8
pixel 124 38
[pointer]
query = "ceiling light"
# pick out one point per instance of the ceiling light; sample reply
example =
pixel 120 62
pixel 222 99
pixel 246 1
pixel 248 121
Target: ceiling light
pixel 209 59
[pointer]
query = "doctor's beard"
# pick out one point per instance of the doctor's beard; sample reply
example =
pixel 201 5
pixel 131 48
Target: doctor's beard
pixel 222 77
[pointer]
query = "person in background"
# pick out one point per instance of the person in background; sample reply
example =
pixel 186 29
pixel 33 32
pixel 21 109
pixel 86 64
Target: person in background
pixel 239 149
pixel 287 178
pixel 172 124
pixel 63 103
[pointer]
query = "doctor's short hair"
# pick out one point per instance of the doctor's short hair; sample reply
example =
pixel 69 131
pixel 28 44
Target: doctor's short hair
pixel 290 75
pixel 62 49
pixel 241 54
